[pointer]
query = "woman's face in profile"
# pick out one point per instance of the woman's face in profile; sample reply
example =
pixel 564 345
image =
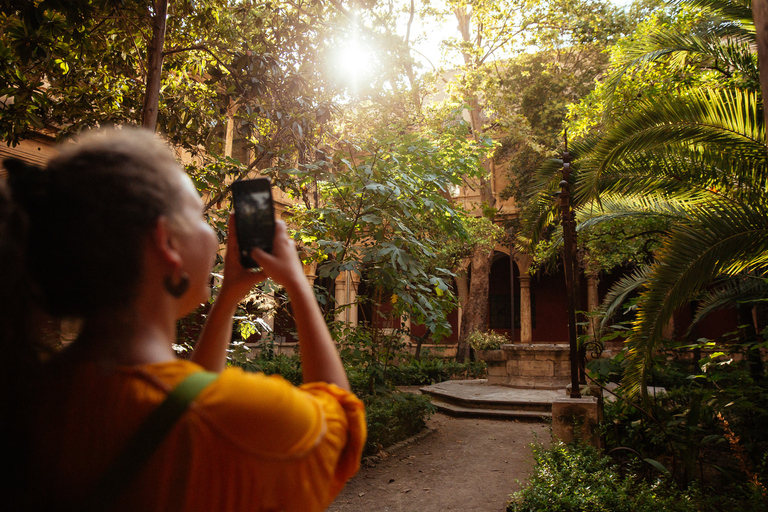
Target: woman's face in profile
pixel 196 242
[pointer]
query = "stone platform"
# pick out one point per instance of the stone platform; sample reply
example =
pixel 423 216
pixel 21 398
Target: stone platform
pixel 545 366
pixel 477 398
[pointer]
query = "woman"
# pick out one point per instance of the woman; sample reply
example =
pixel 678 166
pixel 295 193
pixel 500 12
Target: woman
pixel 113 233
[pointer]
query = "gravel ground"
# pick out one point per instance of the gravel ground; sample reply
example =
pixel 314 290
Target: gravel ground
pixel 466 465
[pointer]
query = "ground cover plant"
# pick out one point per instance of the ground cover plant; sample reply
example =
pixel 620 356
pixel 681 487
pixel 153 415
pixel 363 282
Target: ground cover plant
pixel 431 369
pixel 705 423
pixel 578 477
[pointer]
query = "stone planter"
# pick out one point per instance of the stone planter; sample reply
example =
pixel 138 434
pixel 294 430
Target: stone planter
pixel 491 356
pixel 532 366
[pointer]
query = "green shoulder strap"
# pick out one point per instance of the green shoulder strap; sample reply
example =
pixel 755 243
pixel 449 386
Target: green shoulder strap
pixel 146 440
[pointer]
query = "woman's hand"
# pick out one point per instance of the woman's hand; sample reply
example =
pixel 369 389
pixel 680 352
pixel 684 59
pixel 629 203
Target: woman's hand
pixel 238 280
pixel 319 360
pixel 283 265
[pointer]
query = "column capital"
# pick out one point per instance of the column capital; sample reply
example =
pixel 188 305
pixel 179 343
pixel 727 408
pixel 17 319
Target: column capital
pixel 524 261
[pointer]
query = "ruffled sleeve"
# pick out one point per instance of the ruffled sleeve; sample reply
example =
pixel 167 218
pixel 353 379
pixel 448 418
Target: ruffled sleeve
pixel 303 443
pixel 345 417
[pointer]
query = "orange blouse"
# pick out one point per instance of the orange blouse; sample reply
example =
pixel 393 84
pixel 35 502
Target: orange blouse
pixel 248 442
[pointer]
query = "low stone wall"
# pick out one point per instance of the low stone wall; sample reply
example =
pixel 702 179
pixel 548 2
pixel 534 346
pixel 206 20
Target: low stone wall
pixel 286 349
pixel 534 366
pixel 427 349
pixel 433 350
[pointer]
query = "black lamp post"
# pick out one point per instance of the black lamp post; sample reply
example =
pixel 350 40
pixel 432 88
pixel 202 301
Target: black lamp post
pixel 571 275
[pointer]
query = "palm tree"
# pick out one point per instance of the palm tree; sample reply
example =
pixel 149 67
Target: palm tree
pixel 697 158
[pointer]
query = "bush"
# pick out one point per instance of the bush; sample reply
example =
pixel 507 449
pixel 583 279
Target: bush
pixel 576 477
pixel 425 371
pixel 270 363
pixel 393 417
pixel 486 340
pixel 710 426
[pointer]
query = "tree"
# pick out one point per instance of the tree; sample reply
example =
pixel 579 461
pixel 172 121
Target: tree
pixel 212 53
pixel 694 156
pixel 520 99
pixel 384 213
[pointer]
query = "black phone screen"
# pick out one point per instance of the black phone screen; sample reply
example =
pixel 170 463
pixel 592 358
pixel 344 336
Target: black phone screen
pixel 254 217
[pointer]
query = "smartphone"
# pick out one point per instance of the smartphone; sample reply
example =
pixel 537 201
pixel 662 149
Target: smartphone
pixel 254 217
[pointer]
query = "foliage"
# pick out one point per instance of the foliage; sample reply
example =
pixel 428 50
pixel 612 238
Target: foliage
pixel 383 212
pixel 488 340
pixel 708 426
pixel 431 370
pixel 577 477
pixel 267 361
pixel 369 354
pixel 627 84
pixel 621 243
pixel 393 417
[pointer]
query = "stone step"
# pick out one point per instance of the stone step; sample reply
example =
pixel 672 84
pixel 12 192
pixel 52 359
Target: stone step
pixel 488 402
pixel 502 414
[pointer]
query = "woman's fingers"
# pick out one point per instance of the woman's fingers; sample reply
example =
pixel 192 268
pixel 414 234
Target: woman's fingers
pixel 283 264
pixel 237 279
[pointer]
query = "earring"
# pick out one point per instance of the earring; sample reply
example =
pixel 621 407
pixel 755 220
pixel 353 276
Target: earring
pixel 177 289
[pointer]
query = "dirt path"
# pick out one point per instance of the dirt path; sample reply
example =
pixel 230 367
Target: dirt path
pixel 467 465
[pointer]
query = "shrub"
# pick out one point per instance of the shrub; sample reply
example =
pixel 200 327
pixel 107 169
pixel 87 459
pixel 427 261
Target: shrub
pixel 486 340
pixel 271 363
pixel 430 370
pixel 710 425
pixel 576 477
pixel 394 416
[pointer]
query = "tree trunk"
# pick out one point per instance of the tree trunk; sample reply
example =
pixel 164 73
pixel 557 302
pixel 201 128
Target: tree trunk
pixel 155 66
pixel 462 289
pixel 415 94
pixel 229 138
pixel 475 315
pixel 593 305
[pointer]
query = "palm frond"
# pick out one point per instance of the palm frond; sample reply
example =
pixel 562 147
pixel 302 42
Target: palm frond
pixel 720 242
pixel 730 292
pixel 620 292
pixel 718 126
pixel 734 10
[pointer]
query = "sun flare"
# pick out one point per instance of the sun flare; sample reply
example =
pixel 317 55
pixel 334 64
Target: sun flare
pixel 353 63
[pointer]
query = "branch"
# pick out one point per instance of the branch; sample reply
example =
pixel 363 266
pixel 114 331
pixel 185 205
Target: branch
pixel 186 49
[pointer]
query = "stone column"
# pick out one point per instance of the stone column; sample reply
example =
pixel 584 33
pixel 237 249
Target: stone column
pixel 346 295
pixel 512 288
pixel 309 271
pixel 353 284
pixel 526 329
pixel 524 262
pixel 341 298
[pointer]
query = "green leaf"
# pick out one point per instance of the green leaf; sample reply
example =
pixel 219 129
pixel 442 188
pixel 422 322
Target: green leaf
pixel 658 465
